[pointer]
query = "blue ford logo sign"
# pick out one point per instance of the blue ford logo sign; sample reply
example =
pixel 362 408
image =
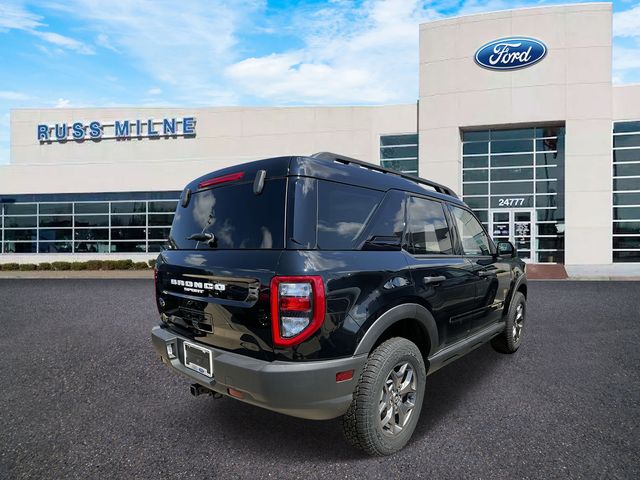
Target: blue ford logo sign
pixel 510 53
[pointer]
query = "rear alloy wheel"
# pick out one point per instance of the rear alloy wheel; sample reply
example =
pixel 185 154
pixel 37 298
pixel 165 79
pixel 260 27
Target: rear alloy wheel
pixel 509 340
pixel 388 399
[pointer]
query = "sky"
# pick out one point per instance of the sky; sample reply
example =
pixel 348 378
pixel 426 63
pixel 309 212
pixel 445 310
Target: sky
pixel 98 53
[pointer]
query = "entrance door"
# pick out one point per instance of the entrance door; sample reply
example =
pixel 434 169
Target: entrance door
pixel 516 226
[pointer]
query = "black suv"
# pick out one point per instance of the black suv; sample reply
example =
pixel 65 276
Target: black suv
pixel 325 286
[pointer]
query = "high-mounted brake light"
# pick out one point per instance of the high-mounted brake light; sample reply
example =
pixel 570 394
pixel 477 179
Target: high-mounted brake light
pixel 231 177
pixel 297 308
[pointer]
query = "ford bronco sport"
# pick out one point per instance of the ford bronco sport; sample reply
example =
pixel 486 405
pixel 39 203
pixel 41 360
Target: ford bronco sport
pixel 324 286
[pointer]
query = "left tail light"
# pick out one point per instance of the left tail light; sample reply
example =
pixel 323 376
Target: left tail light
pixel 297 308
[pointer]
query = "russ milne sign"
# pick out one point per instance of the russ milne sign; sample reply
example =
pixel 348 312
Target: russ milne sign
pixel 510 53
pixel 119 130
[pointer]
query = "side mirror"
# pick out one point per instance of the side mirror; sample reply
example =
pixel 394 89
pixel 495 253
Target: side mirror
pixel 506 249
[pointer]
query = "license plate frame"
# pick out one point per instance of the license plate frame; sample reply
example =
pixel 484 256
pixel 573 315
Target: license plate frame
pixel 198 361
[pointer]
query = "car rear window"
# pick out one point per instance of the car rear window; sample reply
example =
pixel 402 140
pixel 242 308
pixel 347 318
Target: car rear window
pixel 237 217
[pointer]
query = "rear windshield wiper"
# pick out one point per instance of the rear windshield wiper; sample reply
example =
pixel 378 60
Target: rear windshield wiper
pixel 206 237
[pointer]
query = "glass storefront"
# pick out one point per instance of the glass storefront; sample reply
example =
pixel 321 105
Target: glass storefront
pixel 626 192
pixel 116 225
pixel 514 180
pixel 400 153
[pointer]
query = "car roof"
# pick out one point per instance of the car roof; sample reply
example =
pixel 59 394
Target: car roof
pixel 337 168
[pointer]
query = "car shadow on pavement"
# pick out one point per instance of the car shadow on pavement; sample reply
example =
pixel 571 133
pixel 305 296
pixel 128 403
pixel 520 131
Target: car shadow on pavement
pixel 254 431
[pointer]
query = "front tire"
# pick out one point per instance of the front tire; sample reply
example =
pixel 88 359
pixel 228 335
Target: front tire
pixel 388 399
pixel 509 340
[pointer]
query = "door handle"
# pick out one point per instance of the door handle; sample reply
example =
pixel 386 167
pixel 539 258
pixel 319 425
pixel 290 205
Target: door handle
pixel 427 280
pixel 485 273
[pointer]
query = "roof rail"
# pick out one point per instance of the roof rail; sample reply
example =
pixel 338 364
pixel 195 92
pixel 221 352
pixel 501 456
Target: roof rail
pixel 352 161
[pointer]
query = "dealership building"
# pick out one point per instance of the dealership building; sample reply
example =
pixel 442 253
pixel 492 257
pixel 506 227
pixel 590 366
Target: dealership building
pixel 516 111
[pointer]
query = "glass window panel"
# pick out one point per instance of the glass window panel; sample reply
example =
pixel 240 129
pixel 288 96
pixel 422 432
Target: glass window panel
pixel 405 166
pixel 550 257
pixel 427 228
pixel 475 189
pixel 511 146
pixel 546 201
pixel 511 188
pixel 550 228
pixel 622 257
pixel 477 202
pixel 92 207
pixel 128 247
pixel 20 209
pixel 547 144
pixel 628 170
pixel 512 174
pixel 548 158
pixel 339 228
pixel 626 198
pixel 399 152
pixel 627 213
pixel 475 135
pixel 58 221
pixel 128 234
pixel 13 222
pixel 511 134
pixel 91 220
pixel 549 131
pixel 626 141
pixel 56 234
pixel 159 233
pixel 128 207
pixel 92 233
pixel 551 243
pixel 475 162
pixel 20 247
pixel 547 172
pixel 56 209
pixel 627 227
pixel 547 186
pixel 622 127
pixel 161 220
pixel 632 155
pixel 30 234
pixel 475 175
pixel 128 220
pixel 55 247
pixel 550 214
pixel 626 242
pixel 475 147
pixel 626 184
pixel 158 246
pixel 163 206
pixel 409 139
pixel 92 247
pixel 520 160
pixel 473 237
pixel 483 215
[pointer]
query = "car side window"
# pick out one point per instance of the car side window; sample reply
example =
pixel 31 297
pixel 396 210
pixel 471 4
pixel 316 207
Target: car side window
pixel 472 236
pixel 428 231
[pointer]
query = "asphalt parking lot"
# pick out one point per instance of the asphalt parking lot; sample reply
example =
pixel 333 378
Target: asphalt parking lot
pixel 84 396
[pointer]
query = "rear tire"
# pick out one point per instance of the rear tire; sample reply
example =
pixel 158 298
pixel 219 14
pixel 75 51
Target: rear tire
pixel 510 339
pixel 388 399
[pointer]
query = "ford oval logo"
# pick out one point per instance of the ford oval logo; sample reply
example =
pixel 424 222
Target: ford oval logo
pixel 510 53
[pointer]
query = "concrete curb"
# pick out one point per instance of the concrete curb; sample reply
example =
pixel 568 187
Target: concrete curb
pixel 70 274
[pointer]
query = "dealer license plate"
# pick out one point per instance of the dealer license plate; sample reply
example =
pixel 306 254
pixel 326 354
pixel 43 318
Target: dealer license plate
pixel 198 358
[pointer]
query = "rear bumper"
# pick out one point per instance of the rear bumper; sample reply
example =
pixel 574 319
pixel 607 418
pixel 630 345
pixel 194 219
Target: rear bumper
pixel 300 389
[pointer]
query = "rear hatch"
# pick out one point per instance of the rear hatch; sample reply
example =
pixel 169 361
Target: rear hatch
pixel 217 292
